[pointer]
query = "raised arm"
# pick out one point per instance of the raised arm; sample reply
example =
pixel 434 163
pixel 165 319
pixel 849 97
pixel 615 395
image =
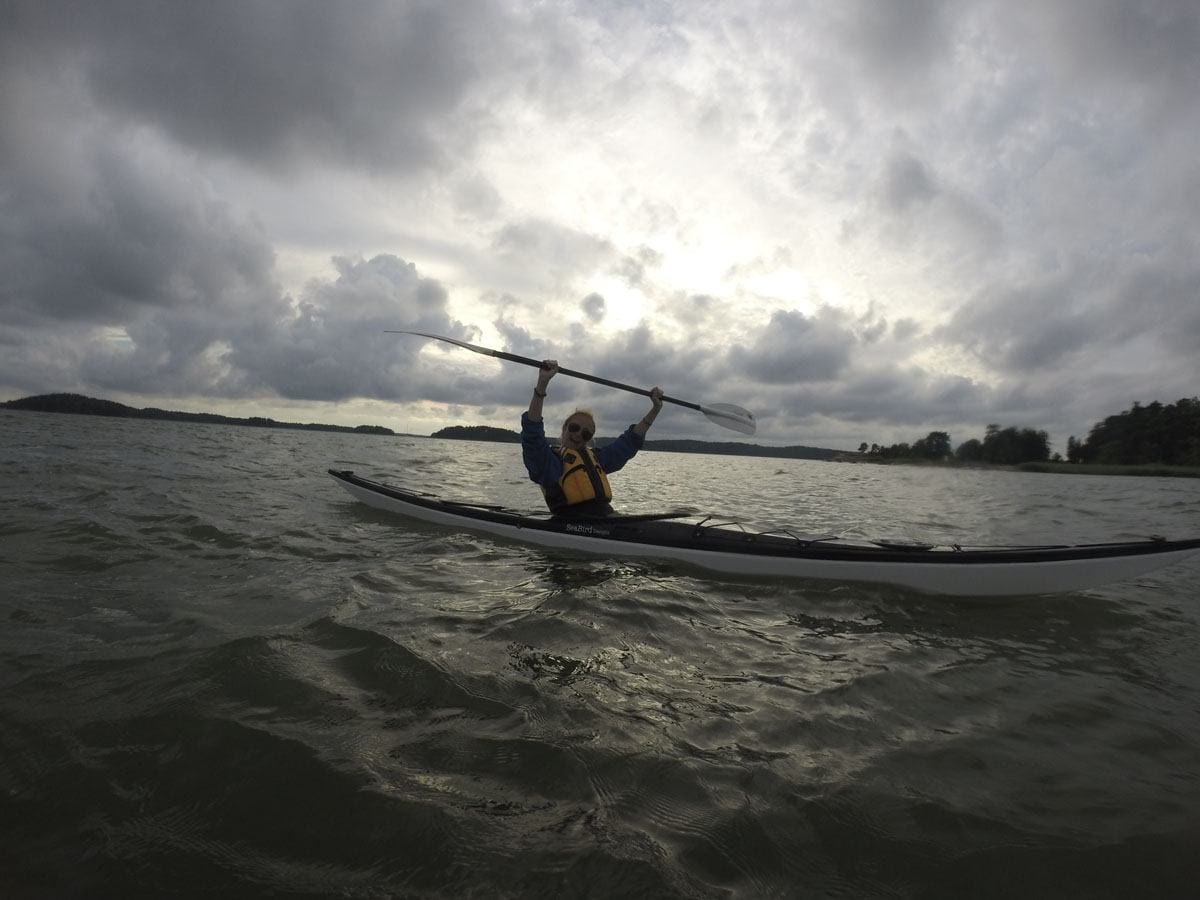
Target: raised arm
pixel 545 373
pixel 656 395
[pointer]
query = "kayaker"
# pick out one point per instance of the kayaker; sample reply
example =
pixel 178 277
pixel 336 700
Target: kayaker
pixel 574 477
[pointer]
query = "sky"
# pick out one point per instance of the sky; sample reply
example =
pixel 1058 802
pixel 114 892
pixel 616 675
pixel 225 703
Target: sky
pixel 862 221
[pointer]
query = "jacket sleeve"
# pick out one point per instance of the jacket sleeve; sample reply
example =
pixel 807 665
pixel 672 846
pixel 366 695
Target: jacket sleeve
pixel 614 456
pixel 542 463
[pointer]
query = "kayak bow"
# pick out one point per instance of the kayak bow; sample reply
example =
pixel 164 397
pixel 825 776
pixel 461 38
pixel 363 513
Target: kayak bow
pixel 718 547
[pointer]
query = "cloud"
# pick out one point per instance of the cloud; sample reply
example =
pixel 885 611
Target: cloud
pixel 1147 54
pixel 135 259
pixel 906 184
pixel 995 325
pixel 632 268
pixel 552 248
pixel 862 215
pixel 899 46
pixel 127 273
pixel 332 346
pixel 893 396
pixel 329 345
pixel 691 314
pixel 1088 307
pixel 593 307
pixel 916 210
pixel 275 82
pixel 126 229
pixel 794 348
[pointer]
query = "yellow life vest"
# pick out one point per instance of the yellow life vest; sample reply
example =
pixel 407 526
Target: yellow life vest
pixel 582 480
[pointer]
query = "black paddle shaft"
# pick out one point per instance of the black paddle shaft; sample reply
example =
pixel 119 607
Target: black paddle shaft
pixel 512 357
pixel 724 414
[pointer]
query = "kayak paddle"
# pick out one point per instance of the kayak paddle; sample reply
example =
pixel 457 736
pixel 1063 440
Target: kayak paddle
pixel 724 414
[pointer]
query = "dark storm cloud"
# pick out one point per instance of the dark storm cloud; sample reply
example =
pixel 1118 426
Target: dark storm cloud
pixel 1167 299
pixel 118 245
pixel 187 293
pixel 1090 308
pixel 271 80
pixel 333 345
pixel 894 395
pixel 126 270
pixel 593 307
pixel 795 348
pixel 126 231
pixel 915 209
pixel 648 358
pixel 1019 330
pixel 520 339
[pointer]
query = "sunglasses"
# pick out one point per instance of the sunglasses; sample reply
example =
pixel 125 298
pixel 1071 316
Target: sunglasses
pixel 575 426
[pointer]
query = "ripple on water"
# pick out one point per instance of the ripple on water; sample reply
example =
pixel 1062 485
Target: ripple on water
pixel 256 685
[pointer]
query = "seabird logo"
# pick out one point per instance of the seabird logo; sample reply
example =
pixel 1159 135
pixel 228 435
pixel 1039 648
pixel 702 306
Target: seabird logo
pixel 588 529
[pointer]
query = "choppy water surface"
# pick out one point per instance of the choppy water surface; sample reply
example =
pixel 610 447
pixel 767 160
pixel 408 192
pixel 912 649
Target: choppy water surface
pixel 222 676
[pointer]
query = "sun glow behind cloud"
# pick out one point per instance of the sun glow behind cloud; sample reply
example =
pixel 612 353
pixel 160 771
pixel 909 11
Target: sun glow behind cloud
pixel 625 306
pixel 875 217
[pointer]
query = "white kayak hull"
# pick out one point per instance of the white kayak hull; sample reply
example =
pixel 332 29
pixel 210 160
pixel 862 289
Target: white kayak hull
pixel 976 572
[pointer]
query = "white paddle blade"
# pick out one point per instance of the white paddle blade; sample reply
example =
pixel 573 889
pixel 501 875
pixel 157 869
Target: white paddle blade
pixel 729 416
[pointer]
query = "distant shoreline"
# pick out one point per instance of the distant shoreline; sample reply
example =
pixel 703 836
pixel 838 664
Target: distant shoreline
pixel 720 448
pixel 1148 470
pixel 77 404
pixel 81 405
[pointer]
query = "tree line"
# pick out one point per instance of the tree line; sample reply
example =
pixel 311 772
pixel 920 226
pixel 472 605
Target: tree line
pixel 999 446
pixel 1143 435
pixel 1152 434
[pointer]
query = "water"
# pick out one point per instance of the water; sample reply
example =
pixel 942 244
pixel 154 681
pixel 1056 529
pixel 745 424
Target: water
pixel 222 677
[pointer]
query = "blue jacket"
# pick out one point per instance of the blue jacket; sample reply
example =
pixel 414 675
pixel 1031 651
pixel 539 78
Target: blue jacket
pixel 545 468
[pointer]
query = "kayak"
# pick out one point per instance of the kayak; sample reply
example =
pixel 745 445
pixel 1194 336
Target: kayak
pixel 728 548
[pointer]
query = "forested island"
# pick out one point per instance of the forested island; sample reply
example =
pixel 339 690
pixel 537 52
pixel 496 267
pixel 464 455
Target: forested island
pixel 1153 437
pixel 90 406
pixel 479 433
